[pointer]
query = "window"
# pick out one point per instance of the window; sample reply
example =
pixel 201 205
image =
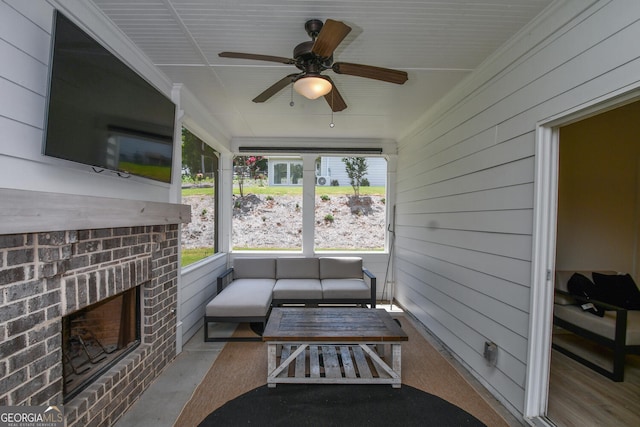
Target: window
pixel 286 171
pixel 350 210
pixel 199 190
pixel 267 213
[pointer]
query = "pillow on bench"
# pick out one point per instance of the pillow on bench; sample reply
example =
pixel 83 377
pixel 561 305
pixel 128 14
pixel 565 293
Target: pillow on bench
pixel 580 286
pixel 617 289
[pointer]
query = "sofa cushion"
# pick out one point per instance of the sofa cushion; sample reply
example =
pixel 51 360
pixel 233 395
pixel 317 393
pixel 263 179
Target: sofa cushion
pixel 297 289
pixel 340 268
pixel 345 288
pixel 297 268
pixel 618 289
pixel 242 298
pixel 254 268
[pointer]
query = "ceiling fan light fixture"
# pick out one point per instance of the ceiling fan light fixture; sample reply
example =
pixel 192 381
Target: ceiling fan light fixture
pixel 312 87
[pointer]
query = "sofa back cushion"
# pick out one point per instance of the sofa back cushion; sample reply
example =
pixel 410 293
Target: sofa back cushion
pixel 297 268
pixel 254 268
pixel 340 268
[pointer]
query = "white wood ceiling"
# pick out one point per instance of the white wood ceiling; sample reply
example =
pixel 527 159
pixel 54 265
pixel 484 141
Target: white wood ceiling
pixel 437 42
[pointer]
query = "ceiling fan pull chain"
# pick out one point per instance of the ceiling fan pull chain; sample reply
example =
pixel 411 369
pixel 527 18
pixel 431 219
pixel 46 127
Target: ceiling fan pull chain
pixel 331 125
pixel 291 103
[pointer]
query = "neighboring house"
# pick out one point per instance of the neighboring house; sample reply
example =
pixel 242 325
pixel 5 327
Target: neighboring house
pixel 332 169
pixel 474 195
pixel 287 170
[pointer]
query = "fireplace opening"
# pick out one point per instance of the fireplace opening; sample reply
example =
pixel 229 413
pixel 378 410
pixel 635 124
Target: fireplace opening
pixel 97 337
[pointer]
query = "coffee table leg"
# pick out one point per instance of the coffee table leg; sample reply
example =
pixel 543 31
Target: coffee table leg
pixel 271 363
pixel 396 361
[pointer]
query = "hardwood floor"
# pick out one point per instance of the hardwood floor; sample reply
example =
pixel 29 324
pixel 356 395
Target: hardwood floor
pixel 581 397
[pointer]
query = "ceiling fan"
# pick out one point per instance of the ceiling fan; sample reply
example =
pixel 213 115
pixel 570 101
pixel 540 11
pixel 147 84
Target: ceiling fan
pixel 315 56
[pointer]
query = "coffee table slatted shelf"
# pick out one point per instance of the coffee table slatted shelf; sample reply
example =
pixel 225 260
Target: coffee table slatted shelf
pixel 332 365
pixel 333 346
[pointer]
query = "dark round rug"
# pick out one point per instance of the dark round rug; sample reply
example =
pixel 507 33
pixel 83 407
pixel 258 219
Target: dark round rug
pixel 339 405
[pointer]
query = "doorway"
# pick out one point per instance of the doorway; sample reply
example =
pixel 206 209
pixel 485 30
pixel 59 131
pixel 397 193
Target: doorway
pixel 586 218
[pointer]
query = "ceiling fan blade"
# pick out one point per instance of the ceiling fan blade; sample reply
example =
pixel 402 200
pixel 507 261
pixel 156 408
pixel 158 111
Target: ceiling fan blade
pixel 331 35
pixel 257 57
pixel 371 72
pixel 334 99
pixel 275 88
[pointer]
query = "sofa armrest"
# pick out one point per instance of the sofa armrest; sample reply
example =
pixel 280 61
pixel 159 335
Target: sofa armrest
pixel 224 279
pixel 372 285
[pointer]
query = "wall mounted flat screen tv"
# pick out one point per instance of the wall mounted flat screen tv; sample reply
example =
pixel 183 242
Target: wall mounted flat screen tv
pixel 102 113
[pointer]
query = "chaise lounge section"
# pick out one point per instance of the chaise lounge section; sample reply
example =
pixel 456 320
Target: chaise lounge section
pixel 247 291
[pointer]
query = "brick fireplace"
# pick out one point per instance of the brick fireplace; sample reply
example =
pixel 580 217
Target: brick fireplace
pixel 60 254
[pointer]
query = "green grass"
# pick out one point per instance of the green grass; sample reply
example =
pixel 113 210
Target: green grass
pixel 288 191
pixel 205 191
pixel 329 190
pixel 189 256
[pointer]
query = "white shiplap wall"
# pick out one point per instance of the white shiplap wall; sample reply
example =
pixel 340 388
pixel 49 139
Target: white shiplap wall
pixel 25 38
pixel 466 181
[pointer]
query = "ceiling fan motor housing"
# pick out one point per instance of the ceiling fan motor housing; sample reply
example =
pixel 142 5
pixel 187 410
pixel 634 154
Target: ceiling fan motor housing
pixel 313 27
pixel 308 61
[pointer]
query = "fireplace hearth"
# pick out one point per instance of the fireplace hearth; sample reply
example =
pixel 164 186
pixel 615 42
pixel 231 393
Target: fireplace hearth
pixel 97 337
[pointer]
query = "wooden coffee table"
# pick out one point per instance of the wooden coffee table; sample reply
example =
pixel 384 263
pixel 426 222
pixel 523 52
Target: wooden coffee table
pixel 330 345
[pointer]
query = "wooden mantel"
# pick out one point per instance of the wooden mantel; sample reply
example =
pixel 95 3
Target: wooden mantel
pixel 24 211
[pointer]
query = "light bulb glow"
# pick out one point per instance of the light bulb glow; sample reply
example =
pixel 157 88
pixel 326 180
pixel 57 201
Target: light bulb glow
pixel 312 87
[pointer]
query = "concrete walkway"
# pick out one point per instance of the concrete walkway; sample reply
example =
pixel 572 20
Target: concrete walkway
pixel 161 403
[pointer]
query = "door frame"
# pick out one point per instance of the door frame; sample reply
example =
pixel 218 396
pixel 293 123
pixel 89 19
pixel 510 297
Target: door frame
pixel 544 247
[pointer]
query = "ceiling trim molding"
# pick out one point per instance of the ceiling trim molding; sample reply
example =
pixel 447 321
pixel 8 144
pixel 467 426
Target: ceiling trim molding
pixel 310 144
pixel 335 150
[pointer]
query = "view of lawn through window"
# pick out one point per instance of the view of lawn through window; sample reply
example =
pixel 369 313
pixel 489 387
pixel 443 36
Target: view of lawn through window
pixel 199 169
pixel 267 203
pixel 349 212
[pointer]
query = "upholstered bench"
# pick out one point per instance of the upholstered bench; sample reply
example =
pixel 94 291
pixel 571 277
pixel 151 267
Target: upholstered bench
pixel 612 326
pixel 247 291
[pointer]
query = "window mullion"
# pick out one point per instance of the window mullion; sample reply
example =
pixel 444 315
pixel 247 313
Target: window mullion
pixel 308 204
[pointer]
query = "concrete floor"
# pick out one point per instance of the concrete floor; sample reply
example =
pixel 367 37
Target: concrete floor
pixel 161 403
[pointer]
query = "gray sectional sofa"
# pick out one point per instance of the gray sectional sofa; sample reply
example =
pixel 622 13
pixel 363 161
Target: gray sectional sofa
pixel 247 291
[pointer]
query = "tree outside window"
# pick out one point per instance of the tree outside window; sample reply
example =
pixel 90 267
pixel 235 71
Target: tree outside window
pixel 199 173
pixel 269 213
pixel 267 217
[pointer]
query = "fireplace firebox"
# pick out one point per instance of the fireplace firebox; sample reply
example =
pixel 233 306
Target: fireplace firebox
pixel 97 337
